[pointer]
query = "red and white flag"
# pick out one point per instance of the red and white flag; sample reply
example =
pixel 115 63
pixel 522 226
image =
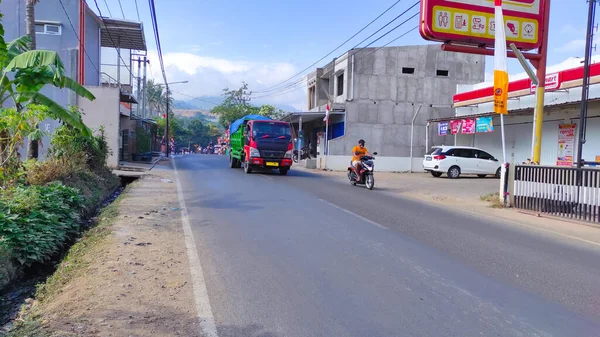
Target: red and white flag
pixel 326 119
pixel 500 69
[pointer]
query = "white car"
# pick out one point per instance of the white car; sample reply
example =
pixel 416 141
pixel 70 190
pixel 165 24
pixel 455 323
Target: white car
pixel 457 160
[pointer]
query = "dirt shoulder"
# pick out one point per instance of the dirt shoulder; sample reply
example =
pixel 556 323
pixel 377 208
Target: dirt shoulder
pixel 129 276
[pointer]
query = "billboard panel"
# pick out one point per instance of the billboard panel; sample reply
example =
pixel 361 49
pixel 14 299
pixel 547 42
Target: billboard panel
pixel 472 22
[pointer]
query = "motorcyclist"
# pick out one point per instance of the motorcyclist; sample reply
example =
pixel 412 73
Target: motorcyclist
pixel 358 152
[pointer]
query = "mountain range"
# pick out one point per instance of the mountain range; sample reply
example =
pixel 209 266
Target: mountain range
pixel 205 103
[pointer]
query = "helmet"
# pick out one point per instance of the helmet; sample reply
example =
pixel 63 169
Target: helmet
pixel 361 142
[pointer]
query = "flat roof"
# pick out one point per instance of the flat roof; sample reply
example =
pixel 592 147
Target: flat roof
pixel 124 34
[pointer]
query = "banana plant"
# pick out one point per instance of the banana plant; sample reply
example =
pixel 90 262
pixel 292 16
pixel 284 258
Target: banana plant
pixel 25 72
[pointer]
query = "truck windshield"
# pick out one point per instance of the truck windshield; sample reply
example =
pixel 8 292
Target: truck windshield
pixel 272 130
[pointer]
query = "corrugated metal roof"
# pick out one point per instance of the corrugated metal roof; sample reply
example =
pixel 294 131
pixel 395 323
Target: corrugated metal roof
pixel 124 34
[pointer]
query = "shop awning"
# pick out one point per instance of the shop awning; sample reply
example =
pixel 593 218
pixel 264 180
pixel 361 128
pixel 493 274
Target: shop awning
pixel 294 117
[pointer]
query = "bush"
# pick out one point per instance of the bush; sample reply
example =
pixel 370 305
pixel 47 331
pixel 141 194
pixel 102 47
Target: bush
pixel 37 221
pixel 68 143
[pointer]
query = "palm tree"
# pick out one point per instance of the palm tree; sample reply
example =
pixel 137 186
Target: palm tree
pixel 157 98
pixel 30 22
pixel 32 144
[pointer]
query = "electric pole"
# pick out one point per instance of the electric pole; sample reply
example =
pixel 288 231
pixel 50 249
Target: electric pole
pixel 586 80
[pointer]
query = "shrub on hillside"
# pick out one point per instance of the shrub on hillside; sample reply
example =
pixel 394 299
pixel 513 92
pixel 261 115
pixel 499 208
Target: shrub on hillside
pixel 37 221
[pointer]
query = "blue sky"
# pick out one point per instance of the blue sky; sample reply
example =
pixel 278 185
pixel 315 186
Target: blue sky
pixel 216 44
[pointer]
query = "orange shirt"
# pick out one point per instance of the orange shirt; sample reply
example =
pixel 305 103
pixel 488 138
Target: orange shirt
pixel 361 152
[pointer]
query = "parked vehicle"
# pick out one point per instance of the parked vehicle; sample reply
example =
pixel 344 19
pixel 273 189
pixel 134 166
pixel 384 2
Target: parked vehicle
pixel 367 168
pixel 260 142
pixel 458 160
pixel 304 153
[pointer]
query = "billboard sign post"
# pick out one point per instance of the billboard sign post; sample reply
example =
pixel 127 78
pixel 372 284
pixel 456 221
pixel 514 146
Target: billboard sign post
pixel 472 22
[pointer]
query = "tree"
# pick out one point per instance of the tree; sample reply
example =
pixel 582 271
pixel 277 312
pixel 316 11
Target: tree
pixel 157 98
pixel 236 106
pixel 33 148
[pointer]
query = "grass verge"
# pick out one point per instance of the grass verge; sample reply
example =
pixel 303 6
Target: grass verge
pixel 493 199
pixel 78 258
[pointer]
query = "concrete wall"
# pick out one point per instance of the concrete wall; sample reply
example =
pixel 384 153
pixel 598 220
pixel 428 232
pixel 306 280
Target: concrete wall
pixel 104 111
pixel 385 100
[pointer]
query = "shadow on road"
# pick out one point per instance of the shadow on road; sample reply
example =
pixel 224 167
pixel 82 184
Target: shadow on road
pixel 228 201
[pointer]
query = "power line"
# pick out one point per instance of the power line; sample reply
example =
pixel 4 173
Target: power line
pixel 121 6
pixel 111 39
pixel 77 35
pixel 299 83
pixel 157 39
pixel 297 87
pixel 137 10
pixel 195 98
pixel 338 47
pixel 108 8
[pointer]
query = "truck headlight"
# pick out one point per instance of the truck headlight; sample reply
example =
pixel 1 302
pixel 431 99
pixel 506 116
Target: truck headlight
pixel 289 154
pixel 254 153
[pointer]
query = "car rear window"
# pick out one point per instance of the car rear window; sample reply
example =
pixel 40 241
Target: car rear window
pixel 434 151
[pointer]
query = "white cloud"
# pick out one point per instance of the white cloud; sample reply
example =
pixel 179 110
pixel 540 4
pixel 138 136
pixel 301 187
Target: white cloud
pixel 208 76
pixel 577 46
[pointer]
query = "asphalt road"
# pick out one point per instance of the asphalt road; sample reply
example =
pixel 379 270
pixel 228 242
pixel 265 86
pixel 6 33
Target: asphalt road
pixel 304 255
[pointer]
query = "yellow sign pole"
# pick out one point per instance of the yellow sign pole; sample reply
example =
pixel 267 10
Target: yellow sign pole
pixel 538 119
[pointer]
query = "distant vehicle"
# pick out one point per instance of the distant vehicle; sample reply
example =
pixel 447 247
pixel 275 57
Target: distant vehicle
pixel 260 142
pixel 458 160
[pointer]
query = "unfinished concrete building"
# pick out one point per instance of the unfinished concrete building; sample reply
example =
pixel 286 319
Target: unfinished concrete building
pixel 380 94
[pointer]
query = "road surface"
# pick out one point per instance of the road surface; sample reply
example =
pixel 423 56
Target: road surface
pixel 304 255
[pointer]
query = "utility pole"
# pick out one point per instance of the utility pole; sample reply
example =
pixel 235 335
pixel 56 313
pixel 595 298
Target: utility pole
pixel 141 85
pixel 167 122
pixel 586 80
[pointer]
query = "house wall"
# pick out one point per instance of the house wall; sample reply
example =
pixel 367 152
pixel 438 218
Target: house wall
pixel 66 45
pixel 384 100
pixel 103 111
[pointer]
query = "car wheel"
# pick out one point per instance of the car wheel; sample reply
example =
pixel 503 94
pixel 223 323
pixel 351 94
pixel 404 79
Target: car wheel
pixel 232 162
pixel 436 174
pixel 498 172
pixel 247 168
pixel 454 172
pixel 482 175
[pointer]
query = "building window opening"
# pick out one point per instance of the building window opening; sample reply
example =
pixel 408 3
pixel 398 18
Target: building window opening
pixel 406 70
pixel 47 28
pixel 442 73
pixel 340 85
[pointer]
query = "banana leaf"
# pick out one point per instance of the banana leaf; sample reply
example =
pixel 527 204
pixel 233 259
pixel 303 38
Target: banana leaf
pixel 17 47
pixel 37 58
pixel 57 110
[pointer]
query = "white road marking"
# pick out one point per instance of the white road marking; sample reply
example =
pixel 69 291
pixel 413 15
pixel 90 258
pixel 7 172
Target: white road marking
pixel 354 214
pixel 203 308
pixel 266 176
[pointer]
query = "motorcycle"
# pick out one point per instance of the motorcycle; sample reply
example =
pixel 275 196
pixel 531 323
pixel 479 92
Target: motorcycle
pixel 367 167
pixel 304 154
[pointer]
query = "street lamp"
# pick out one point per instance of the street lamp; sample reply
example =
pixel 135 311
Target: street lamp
pixel 167 116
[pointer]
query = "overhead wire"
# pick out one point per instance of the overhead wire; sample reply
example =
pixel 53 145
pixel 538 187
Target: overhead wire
pixel 157 39
pixel 110 37
pixel 195 98
pixel 301 83
pixel 77 36
pixel 107 8
pixel 331 52
pixel 121 6
pixel 137 10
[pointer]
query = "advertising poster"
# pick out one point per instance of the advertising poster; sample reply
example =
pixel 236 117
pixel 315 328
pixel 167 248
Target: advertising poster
pixel 455 126
pixel 484 124
pixel 468 126
pixel 443 128
pixel 566 143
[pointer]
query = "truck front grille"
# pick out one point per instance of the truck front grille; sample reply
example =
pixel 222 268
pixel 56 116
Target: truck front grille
pixel 272 154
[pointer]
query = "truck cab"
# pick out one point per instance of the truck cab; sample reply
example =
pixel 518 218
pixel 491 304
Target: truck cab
pixel 267 144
